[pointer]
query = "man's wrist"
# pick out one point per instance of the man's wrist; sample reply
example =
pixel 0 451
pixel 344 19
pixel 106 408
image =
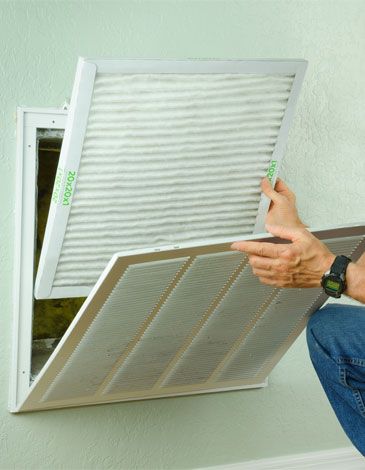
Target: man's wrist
pixel 328 261
pixel 326 264
pixel 354 279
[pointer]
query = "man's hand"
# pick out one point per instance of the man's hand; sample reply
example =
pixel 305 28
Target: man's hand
pixel 301 263
pixel 282 210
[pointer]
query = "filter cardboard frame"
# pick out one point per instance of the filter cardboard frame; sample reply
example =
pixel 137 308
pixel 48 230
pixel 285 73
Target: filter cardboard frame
pixel 76 128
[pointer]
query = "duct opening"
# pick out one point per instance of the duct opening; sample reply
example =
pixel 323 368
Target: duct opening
pixel 51 317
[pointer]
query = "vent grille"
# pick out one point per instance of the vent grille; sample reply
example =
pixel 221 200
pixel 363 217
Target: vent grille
pixel 275 324
pixel 180 314
pixel 232 317
pixel 133 298
pixel 181 321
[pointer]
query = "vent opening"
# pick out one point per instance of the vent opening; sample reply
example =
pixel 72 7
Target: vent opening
pixel 51 317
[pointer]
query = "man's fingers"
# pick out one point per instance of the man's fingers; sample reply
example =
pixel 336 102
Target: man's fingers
pixel 263 273
pixel 282 188
pixel 268 281
pixel 269 250
pixel 268 190
pixel 261 262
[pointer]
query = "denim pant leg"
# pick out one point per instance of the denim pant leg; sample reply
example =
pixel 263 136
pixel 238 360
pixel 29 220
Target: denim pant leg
pixel 336 342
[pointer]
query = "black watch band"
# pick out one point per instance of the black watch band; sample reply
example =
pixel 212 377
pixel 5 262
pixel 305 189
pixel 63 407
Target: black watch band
pixel 334 280
pixel 340 264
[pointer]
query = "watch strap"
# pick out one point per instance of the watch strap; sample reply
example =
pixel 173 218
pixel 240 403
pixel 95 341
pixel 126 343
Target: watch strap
pixel 340 264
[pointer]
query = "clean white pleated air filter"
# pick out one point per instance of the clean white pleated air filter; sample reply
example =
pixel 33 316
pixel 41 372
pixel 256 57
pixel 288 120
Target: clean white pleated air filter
pixel 162 152
pixel 177 322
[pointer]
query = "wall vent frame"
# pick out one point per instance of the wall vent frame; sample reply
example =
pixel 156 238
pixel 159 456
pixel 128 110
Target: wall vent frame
pixel 29 120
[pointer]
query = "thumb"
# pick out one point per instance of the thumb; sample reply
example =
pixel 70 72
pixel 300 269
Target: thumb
pixel 287 233
pixel 268 190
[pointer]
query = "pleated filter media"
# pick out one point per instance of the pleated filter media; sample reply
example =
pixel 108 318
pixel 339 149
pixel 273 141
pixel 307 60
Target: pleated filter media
pixel 161 153
pixel 182 321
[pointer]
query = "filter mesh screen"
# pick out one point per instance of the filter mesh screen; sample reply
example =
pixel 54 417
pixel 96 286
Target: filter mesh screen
pixel 182 321
pixel 166 159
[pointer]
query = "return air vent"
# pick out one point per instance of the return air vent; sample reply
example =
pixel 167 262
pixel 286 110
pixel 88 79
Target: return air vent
pixel 178 321
pixel 162 152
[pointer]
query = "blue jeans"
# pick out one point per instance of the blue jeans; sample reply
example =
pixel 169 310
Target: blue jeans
pixel 336 342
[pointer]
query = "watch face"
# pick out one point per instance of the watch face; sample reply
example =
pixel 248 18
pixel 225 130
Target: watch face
pixel 333 285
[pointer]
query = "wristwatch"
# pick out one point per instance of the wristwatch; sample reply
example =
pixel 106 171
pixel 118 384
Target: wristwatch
pixel 334 280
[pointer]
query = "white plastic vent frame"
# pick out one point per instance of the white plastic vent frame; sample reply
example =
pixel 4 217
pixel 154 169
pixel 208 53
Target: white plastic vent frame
pixel 178 322
pixel 29 122
pixel 161 152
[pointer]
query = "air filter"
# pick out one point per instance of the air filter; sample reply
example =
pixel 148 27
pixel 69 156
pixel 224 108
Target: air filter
pixel 162 152
pixel 176 322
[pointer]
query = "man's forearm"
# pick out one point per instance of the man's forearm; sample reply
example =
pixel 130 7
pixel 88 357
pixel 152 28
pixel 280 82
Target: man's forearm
pixel 355 278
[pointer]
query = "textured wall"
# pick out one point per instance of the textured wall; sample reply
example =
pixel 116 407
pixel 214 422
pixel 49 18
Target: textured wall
pixel 324 163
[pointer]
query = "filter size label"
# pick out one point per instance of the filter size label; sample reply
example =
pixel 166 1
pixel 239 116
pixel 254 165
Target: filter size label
pixel 57 185
pixel 70 178
pixel 272 168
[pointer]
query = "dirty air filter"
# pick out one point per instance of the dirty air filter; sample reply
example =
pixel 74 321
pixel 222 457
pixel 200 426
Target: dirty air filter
pixel 162 152
pixel 175 322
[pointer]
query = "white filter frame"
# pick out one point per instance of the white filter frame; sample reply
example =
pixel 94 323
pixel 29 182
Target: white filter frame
pixel 34 398
pixel 76 128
